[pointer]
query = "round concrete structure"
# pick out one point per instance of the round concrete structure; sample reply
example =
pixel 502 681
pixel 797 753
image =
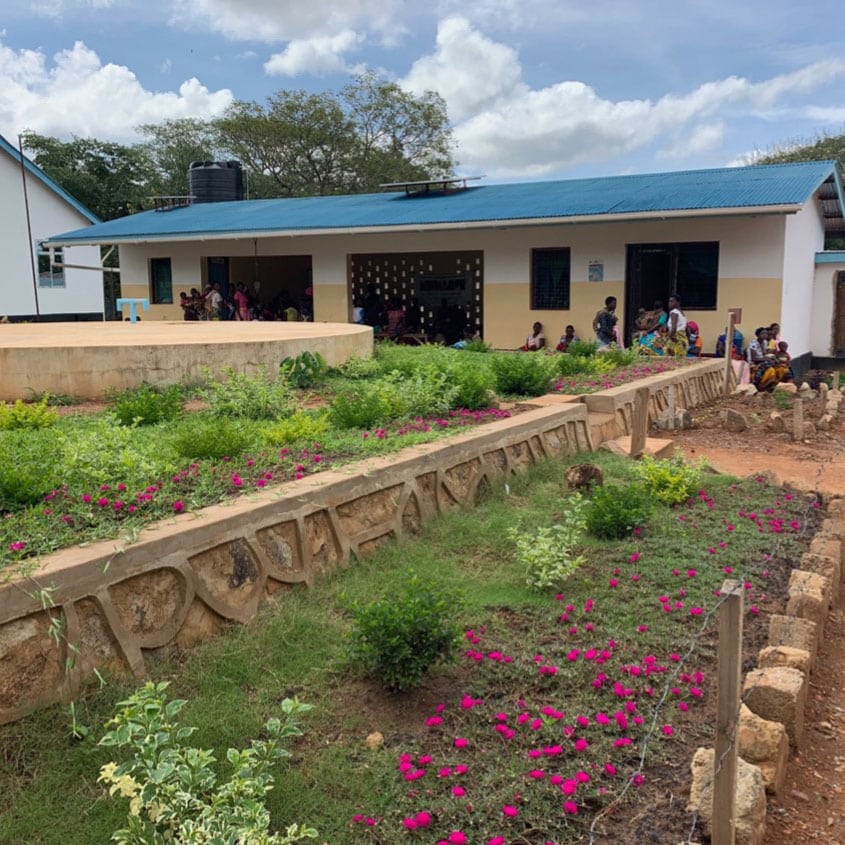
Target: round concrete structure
pixel 86 360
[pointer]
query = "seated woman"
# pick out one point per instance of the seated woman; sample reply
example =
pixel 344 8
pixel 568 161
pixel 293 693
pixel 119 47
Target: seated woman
pixel 536 340
pixel 653 343
pixel 766 372
pixel 569 337
pixel 395 320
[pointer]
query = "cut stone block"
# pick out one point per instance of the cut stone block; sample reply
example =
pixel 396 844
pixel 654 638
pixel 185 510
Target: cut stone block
pixel 784 655
pixel 654 447
pixel 833 528
pixel 750 797
pixel 824 545
pixel 826 566
pixel 809 598
pixel 778 694
pixel 766 745
pixel 794 632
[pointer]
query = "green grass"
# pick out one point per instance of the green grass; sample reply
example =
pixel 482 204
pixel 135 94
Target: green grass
pixel 296 647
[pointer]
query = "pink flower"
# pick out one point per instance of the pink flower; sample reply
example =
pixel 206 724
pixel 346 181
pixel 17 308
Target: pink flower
pixel 460 742
pixel 423 819
pixel 571 808
pixel 457 837
pixel 510 811
pixel 237 481
pixel 410 823
pixel 458 791
pixel 497 840
pixel 433 721
pixel 178 506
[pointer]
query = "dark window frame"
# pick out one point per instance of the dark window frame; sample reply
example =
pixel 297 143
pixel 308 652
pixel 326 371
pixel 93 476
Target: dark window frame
pixel 156 296
pixel 546 294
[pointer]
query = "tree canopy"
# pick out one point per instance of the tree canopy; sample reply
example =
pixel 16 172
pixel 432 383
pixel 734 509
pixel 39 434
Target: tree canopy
pixel 296 144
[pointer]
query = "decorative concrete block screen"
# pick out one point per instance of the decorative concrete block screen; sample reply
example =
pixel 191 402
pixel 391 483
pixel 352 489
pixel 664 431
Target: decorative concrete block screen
pixel 186 578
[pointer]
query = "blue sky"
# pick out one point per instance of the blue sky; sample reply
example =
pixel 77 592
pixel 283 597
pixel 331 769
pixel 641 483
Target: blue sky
pixel 533 89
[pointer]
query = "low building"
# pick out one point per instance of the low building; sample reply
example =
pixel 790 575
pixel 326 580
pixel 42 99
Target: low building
pixel 31 286
pixel 508 255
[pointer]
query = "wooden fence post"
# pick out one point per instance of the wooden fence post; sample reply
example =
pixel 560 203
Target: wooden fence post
pixel 729 345
pixel 798 419
pixel 639 422
pixel 836 379
pixel 727 714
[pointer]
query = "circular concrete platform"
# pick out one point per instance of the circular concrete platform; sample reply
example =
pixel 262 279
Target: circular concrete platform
pixel 86 360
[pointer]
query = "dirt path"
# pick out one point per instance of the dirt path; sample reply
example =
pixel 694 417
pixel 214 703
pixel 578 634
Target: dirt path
pixel 811 806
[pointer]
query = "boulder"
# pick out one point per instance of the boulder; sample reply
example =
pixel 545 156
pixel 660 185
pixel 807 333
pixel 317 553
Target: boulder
pixel 809 429
pixel 785 387
pixel 776 422
pixel 824 421
pixel 735 422
pixel 745 390
pixel 681 419
pixel 750 797
pixel 374 740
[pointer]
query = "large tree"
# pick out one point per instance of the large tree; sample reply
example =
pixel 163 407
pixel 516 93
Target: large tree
pixel 173 145
pixel 370 133
pixel 112 180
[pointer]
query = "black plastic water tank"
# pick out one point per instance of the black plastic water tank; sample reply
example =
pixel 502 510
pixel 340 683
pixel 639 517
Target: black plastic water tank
pixel 216 181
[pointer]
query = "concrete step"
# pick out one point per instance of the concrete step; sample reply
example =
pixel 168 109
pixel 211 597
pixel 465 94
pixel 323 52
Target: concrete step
pixel 655 447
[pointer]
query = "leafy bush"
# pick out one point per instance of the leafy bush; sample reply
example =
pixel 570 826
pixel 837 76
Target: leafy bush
pixel 359 368
pixel 619 357
pixel 548 554
pixel 394 396
pixel 399 637
pixel 614 512
pixel 27 416
pixel 301 427
pixel 250 397
pixel 582 348
pixel 210 437
pixel 525 374
pixel 573 365
pixel 477 346
pixel 671 481
pixel 172 788
pixel 146 405
pixel 305 370
pixel 20 486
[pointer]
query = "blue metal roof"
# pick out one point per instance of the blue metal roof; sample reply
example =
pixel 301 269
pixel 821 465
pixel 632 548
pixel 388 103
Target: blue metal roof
pixel 755 187
pixel 39 174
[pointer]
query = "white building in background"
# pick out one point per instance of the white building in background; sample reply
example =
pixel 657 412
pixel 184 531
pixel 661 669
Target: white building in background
pixel 33 207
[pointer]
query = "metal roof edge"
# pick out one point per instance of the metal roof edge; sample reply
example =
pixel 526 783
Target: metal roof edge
pixel 831 256
pixel 55 187
pixel 501 223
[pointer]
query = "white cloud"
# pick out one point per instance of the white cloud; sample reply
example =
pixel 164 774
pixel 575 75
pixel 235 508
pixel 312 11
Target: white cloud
pixel 288 20
pixel 78 95
pixel 470 71
pixel 504 128
pixel 322 54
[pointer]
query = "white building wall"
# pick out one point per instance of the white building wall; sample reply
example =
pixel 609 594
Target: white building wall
pixel 751 268
pixel 804 236
pixel 49 214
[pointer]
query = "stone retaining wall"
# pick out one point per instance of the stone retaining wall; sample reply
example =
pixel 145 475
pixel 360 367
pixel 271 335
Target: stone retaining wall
pixel 702 382
pixel 184 579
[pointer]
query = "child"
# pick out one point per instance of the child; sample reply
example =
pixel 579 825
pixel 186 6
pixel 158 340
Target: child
pixel 358 311
pixel 568 338
pixel 694 347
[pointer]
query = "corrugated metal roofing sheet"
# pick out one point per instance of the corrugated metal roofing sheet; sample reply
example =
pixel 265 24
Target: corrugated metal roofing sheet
pixel 696 190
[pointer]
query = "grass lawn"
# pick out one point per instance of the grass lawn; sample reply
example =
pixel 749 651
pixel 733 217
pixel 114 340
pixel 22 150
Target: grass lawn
pixel 542 723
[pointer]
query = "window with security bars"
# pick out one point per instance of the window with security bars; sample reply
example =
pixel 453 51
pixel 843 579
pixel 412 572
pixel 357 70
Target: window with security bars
pixel 550 279
pixel 419 282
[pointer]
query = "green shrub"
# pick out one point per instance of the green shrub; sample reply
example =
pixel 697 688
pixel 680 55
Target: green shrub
pixel 302 427
pixel 173 789
pixel 614 512
pixel 361 409
pixel 671 481
pixel 20 486
pixel 359 368
pixel 619 357
pixel 570 364
pixel 146 405
pixel 305 370
pixel 477 345
pixel 548 554
pixel 202 436
pixel 22 415
pixel 399 637
pixel 522 373
pixel 250 397
pixel 582 348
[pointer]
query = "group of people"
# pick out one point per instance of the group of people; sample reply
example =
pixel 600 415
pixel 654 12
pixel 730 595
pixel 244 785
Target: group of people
pixel 239 304
pixel 667 332
pixel 768 358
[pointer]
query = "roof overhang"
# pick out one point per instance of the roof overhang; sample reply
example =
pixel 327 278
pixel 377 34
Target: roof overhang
pixel 832 199
pixel 509 223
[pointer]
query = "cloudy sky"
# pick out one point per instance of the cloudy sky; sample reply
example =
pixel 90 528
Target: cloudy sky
pixel 534 89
